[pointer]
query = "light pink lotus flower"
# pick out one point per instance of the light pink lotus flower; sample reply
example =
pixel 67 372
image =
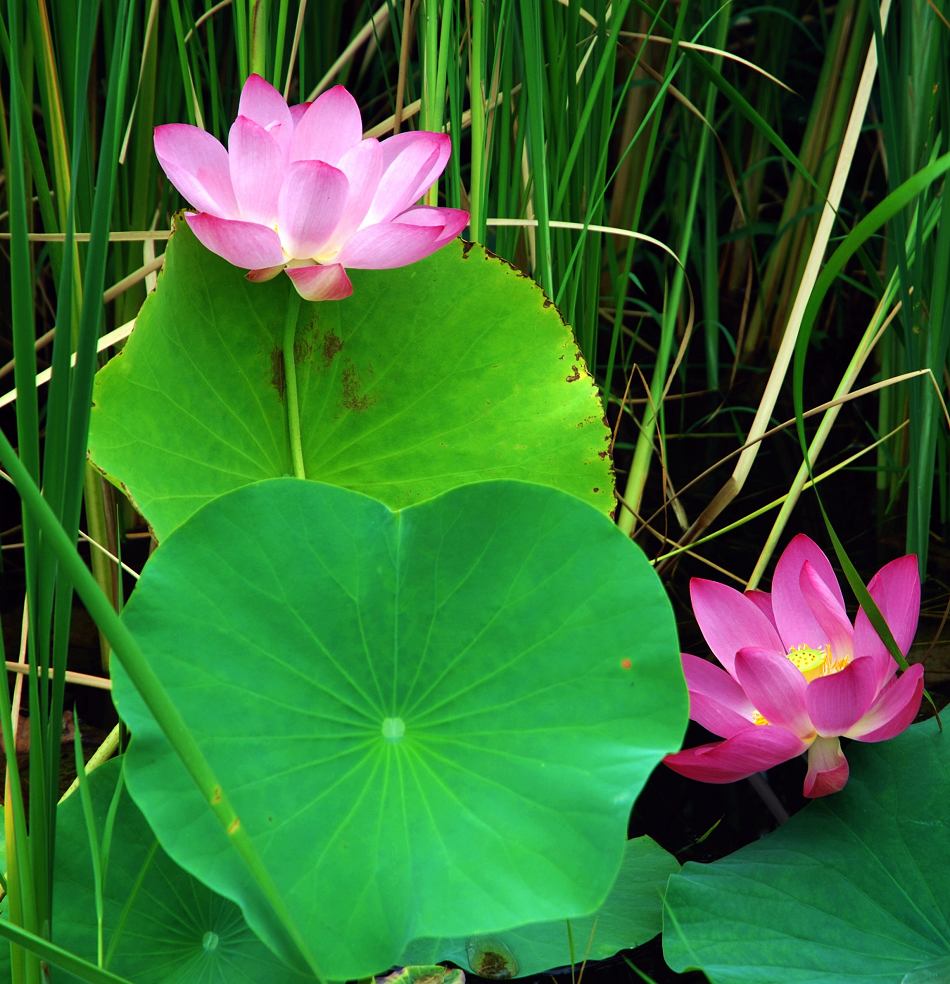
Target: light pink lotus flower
pixel 798 675
pixel 300 190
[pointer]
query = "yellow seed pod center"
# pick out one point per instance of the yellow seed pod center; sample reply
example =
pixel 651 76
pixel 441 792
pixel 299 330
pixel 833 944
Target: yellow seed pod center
pixel 809 662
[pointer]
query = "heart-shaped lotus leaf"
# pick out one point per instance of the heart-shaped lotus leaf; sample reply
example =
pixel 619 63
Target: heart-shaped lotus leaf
pixel 431 722
pixel 630 915
pixel 450 371
pixel 161 925
pixel 855 888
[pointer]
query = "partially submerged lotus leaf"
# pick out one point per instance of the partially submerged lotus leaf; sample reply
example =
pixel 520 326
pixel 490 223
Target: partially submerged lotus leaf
pixel 424 974
pixel 492 959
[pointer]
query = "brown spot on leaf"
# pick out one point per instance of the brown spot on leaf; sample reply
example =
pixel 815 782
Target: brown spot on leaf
pixel 596 489
pixel 352 399
pixel 331 346
pixel 303 341
pixel 574 376
pixel 547 303
pixel 467 247
pixel 277 371
pixel 603 454
pixel 303 348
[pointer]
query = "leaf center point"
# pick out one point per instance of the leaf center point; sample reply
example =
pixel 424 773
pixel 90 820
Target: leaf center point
pixel 393 728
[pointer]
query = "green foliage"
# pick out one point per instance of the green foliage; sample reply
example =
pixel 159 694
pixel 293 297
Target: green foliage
pixel 161 926
pixel 854 888
pixel 450 371
pixel 630 915
pixel 558 112
pixel 52 445
pixel 422 717
pixel 914 82
pixel 47 954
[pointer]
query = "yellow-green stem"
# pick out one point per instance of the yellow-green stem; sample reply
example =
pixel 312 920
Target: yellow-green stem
pixel 103 569
pixel 100 756
pixel 260 13
pixel 290 385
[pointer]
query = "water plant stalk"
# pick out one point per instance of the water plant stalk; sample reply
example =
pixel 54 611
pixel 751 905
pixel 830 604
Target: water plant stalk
pixel 290 384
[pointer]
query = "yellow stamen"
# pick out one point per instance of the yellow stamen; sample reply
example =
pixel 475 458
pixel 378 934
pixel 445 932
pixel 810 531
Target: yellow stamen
pixel 757 718
pixel 834 665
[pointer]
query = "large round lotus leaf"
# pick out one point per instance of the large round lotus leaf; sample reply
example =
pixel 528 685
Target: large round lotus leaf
pixel 855 888
pixel 630 915
pixel 447 372
pixel 432 722
pixel 161 925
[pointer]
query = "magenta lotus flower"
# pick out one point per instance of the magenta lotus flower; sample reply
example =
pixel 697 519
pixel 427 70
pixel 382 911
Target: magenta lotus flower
pixel 798 675
pixel 300 190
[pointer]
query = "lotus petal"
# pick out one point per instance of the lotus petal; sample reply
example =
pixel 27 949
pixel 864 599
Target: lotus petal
pixel 716 701
pixel 330 126
pixel 738 757
pixel 894 709
pixel 197 165
pixel 310 206
pixel 730 621
pixel 796 622
pixel 896 592
pixel 837 701
pixel 321 283
pixel 245 244
pixel 776 688
pixel 388 245
pixel 827 768
pixel 256 163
